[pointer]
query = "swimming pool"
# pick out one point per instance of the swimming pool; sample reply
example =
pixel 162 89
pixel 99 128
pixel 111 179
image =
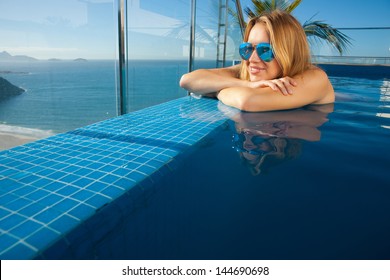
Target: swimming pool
pixel 302 184
pixel 194 179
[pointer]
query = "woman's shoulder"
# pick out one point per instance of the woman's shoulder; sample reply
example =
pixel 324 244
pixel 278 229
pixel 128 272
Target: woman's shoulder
pixel 317 71
pixel 313 75
pixel 322 84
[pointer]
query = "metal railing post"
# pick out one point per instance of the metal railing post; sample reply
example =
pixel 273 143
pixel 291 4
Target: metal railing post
pixel 122 71
pixel 192 36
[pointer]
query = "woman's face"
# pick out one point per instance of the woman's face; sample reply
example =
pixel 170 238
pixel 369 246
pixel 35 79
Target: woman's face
pixel 258 69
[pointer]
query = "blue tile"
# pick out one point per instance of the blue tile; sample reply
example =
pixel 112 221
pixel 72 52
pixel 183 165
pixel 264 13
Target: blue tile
pixel 6 240
pixel 11 221
pixel 18 252
pixel 70 169
pixel 147 169
pixel 37 194
pixel 4 213
pixel 107 168
pixel 41 238
pixel 67 190
pixel 137 176
pixel 95 175
pixel 112 192
pixel 82 211
pixel 17 204
pixel 41 183
pixel 64 224
pixel 29 179
pixel 109 179
pixel 65 205
pixel 25 190
pixel 70 178
pixel 83 182
pixel 50 199
pixel 127 166
pixel 32 209
pixel 54 186
pixel 47 215
pixel 96 186
pixel 7 185
pixel 83 195
pixel 8 197
pixel 98 200
pixel 121 171
pixel 25 229
pixel 125 183
pixel 81 171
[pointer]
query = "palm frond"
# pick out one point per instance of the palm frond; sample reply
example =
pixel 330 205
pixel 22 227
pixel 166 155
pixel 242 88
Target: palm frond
pixel 180 31
pixel 260 7
pixel 333 36
pixel 293 5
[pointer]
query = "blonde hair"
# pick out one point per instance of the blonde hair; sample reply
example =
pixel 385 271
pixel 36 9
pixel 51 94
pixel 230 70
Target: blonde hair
pixel 288 41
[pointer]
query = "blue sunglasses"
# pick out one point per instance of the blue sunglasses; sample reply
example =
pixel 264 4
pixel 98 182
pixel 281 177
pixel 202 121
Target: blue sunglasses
pixel 240 138
pixel 264 51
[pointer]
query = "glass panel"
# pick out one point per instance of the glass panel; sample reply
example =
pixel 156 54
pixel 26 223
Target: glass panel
pixel 235 36
pixel 62 53
pixel 158 47
pixel 213 21
pixel 369 46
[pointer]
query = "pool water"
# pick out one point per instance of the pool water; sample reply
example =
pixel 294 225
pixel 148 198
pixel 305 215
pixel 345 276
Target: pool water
pixel 310 183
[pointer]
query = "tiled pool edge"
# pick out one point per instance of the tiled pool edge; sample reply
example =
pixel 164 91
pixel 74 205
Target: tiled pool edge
pixel 61 195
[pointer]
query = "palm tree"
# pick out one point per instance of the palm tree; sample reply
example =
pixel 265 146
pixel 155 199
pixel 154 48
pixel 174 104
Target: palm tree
pixel 318 30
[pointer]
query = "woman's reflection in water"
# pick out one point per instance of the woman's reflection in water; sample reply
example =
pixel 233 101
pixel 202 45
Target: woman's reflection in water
pixel 266 139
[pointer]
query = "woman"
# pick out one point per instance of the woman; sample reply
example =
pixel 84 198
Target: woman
pixel 275 74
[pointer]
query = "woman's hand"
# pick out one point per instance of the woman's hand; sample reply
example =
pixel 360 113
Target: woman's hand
pixel 284 85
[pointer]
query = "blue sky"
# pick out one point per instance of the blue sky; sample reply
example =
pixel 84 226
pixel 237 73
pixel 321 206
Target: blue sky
pixel 70 29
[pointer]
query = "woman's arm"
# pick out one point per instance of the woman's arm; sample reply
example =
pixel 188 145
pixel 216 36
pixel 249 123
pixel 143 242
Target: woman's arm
pixel 204 81
pixel 312 87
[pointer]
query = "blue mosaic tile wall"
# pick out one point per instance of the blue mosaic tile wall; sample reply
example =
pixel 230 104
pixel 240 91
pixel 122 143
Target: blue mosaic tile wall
pixel 60 195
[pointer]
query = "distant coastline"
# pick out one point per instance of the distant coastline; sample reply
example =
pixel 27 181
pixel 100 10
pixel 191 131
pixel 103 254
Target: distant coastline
pixel 13 72
pixel 7 57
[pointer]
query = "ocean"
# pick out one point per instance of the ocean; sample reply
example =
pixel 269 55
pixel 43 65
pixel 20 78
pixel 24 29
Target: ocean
pixel 63 95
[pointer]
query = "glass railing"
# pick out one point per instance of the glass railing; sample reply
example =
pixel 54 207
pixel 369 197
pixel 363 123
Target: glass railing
pixel 369 46
pixel 160 50
pixel 58 67
pixel 353 60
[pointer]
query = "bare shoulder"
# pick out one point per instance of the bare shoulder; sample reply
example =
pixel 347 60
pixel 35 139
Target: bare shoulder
pixel 315 72
pixel 317 82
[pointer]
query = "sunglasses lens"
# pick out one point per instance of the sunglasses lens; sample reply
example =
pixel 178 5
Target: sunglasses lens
pixel 246 50
pixel 264 51
pixel 257 140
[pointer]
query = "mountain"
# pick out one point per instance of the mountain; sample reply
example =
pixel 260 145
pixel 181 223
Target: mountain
pixel 7 89
pixel 80 59
pixel 5 57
